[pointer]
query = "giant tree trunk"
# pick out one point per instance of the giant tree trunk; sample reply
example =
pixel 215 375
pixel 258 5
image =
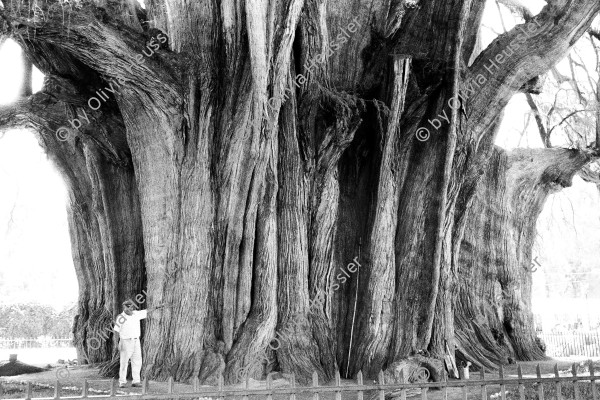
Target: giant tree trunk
pixel 249 207
pixel 493 310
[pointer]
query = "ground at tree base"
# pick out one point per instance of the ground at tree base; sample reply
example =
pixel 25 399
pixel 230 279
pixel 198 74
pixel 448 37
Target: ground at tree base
pixel 43 385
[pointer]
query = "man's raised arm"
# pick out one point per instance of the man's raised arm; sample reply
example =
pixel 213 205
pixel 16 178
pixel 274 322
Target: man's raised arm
pixel 144 313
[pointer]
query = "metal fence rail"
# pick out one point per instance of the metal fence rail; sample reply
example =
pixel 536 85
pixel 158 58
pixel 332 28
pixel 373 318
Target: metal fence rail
pixel 572 344
pixel 584 387
pixel 34 343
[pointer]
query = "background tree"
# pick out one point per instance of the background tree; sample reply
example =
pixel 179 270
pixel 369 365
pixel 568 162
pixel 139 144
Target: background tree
pixel 34 320
pixel 235 210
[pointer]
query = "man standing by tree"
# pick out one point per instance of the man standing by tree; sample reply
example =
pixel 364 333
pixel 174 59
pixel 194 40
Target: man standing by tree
pixel 127 331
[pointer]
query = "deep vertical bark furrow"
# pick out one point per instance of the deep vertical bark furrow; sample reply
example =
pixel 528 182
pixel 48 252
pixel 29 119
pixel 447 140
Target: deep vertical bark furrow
pixel 237 159
pixel 372 351
pixel 358 170
pixel 414 255
pixel 234 210
pixel 111 253
pixel 478 318
pixel 420 186
pixel 418 176
pixel 494 275
pixel 328 120
pixel 257 331
pixel 109 221
pixel 438 329
pixel 298 350
pixel 192 27
pixel 93 310
pixel 269 43
pixel 321 238
pixel 324 208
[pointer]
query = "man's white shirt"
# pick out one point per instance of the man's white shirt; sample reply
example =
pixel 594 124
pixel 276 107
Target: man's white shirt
pixel 128 326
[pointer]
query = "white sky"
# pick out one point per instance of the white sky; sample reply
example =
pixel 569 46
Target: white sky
pixel 35 252
pixel 11 74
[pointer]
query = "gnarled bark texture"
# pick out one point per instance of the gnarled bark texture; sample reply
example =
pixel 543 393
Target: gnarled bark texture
pixel 493 305
pixel 256 185
pixel 103 208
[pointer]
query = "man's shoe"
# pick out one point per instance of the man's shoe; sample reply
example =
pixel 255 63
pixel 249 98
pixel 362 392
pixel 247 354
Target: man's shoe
pixel 137 384
pixel 122 385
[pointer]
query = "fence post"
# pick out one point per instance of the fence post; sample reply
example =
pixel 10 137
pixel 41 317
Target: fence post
pixel 359 380
pixel 381 380
pixel 338 383
pixel 540 384
pixel 575 386
pixel 402 381
pixel 269 386
pixel 461 375
pixel 315 384
pixel 482 378
pixel 246 385
pixel 57 390
pixel 84 390
pixel 221 384
pixel 558 385
pixel 293 384
pixel 445 384
pixel 593 381
pixel 502 385
pixel 521 386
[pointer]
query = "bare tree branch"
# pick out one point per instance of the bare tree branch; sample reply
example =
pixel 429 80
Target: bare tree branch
pixel 538 119
pixel 26 84
pixel 522 54
pixel 518 8
pixel 565 119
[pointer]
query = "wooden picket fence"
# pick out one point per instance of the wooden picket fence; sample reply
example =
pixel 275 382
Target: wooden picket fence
pixel 585 344
pixel 34 343
pixel 584 387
